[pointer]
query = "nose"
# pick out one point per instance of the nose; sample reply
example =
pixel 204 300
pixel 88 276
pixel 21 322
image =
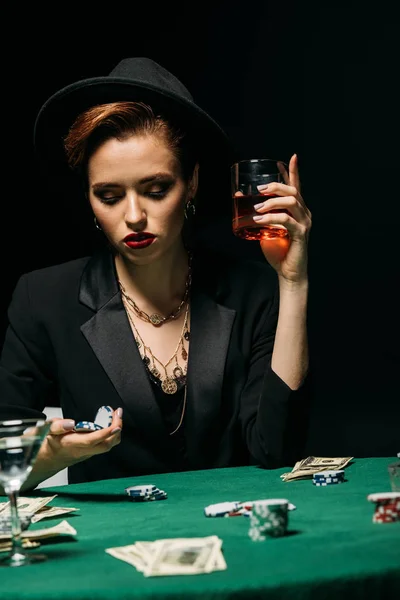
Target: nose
pixel 134 213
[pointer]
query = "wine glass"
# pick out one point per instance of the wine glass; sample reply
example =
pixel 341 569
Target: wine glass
pixel 20 441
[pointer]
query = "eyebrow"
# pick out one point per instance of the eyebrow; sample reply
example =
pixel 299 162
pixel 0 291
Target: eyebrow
pixel 156 177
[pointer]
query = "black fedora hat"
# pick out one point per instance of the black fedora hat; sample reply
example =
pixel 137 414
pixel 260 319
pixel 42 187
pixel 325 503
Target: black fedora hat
pixel 132 79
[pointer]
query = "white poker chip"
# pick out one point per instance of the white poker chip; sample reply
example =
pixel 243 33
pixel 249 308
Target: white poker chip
pixel 383 496
pixel 104 416
pixel 221 508
pixel 141 489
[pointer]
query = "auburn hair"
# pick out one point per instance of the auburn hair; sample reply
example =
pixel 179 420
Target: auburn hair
pixel 120 120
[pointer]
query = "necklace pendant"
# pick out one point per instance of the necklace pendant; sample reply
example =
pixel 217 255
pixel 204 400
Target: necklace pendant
pixel 154 371
pixel 169 386
pixel 178 373
pixel 156 319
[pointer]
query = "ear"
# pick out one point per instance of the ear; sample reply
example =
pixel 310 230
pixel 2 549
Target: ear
pixel 194 182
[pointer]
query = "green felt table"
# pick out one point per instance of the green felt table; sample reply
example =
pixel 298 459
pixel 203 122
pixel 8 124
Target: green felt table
pixel 332 549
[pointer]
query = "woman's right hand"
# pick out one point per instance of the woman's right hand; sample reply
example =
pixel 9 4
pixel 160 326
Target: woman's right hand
pixel 66 447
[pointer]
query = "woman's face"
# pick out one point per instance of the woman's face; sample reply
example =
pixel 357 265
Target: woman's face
pixel 138 194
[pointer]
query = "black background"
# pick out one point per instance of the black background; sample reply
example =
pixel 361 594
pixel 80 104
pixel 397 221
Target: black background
pixel 317 79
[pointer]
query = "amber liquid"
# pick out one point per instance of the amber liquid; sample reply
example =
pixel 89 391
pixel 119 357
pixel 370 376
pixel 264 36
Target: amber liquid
pixel 243 225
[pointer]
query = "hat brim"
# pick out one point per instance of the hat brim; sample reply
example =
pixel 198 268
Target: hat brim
pixel 60 110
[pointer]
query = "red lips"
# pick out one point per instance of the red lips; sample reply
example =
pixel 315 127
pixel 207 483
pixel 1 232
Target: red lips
pixel 138 237
pixel 139 240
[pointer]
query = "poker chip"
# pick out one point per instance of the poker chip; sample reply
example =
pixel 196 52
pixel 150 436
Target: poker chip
pixel 102 419
pixel 86 426
pixel 268 518
pixel 104 416
pixel 387 507
pixel 332 473
pixel 325 478
pixel 221 509
pixel 145 493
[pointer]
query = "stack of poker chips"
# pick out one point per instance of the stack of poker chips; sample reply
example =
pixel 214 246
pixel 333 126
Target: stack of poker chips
pixel 387 507
pixel 268 518
pixel 145 493
pixel 102 419
pixel 324 478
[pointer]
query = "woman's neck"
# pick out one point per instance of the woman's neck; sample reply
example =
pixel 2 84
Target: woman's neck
pixel 159 284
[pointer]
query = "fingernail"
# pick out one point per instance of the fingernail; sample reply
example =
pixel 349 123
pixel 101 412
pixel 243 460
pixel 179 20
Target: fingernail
pixel 260 205
pixel 257 218
pixel 115 430
pixel 120 412
pixel 67 424
pixel 262 187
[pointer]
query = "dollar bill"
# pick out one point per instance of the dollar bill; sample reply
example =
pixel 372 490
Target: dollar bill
pixel 173 556
pixel 63 528
pixel 49 512
pixel 129 554
pixel 26 506
pixel 26 544
pixel 304 469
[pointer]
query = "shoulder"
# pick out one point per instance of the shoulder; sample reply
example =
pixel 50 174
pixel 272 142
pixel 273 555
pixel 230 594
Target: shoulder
pixel 58 273
pixel 54 280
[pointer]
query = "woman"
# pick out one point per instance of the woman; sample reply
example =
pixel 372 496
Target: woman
pixel 199 355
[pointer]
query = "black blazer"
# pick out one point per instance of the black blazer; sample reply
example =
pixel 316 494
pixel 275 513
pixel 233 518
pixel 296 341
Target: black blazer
pixel 69 344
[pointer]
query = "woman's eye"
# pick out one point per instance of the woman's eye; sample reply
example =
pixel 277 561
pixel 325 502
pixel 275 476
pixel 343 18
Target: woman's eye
pixel 160 193
pixel 109 199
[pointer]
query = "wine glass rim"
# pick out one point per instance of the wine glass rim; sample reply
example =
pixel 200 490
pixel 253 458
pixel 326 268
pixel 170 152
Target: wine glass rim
pixel 5 424
pixel 259 160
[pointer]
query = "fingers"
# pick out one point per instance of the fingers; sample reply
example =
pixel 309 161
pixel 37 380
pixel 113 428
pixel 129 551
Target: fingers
pixel 117 418
pixel 62 426
pixel 283 171
pixel 104 439
pixel 288 204
pixel 294 177
pixel 296 230
pixel 59 426
pixel 281 190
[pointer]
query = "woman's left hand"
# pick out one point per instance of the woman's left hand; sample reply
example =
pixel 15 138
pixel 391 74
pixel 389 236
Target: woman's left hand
pixel 287 255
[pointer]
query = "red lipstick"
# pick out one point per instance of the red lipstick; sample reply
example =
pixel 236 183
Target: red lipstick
pixel 139 240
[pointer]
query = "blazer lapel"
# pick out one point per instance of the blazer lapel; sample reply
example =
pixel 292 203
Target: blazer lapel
pixel 109 335
pixel 210 331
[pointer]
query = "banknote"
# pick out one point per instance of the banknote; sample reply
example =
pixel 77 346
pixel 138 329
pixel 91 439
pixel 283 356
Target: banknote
pixel 26 505
pixel 63 528
pixel 49 512
pixel 304 469
pixel 26 544
pixel 173 556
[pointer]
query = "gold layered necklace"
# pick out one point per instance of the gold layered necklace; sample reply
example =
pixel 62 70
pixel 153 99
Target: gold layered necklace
pixel 169 384
pixel 156 319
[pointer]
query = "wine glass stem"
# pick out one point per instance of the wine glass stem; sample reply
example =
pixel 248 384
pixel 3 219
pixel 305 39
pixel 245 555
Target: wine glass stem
pixel 15 523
